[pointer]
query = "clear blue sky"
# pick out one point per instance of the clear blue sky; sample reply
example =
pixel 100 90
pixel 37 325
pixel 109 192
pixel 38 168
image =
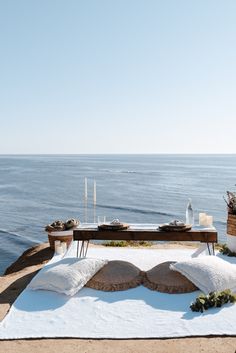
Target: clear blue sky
pixel 117 76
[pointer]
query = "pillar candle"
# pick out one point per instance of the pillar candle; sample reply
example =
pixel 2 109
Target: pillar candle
pixel 59 250
pixel 202 219
pixel 56 244
pixel 209 221
pixel 64 246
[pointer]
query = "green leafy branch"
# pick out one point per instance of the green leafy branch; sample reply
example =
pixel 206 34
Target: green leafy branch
pixel 213 300
pixel 226 251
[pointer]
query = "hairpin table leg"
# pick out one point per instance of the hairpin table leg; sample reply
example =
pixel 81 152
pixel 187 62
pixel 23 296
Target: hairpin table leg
pixel 86 250
pixel 81 254
pixel 208 247
pixel 213 248
pixel 77 253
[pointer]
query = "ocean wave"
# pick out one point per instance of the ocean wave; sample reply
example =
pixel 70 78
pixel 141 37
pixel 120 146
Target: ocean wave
pixel 223 223
pixel 9 233
pixel 121 171
pixel 9 187
pixel 20 236
pixel 136 210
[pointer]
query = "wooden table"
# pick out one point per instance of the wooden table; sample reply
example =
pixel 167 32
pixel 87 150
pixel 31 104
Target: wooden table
pixel 86 234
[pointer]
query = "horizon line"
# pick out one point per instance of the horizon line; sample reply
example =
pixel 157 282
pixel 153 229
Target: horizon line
pixel 117 154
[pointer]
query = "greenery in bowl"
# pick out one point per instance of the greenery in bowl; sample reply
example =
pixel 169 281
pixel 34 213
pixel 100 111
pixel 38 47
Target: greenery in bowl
pixel 231 202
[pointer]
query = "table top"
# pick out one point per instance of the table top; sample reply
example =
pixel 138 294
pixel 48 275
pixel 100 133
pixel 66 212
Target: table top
pixel 144 232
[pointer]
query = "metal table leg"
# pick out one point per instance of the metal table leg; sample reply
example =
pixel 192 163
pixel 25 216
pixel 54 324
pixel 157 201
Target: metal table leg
pixel 86 250
pixel 208 247
pixel 213 248
pixel 83 248
pixel 77 253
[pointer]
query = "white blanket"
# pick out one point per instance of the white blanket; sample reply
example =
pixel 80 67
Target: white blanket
pixel 134 313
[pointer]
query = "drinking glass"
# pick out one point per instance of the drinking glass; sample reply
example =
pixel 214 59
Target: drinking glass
pixel 101 220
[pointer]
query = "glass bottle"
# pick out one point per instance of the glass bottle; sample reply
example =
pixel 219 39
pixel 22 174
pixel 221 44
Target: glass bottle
pixel 189 213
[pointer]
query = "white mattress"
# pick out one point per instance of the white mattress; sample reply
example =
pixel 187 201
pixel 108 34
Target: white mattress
pixel 134 313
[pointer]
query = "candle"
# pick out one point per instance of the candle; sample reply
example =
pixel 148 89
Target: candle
pixel 205 220
pixel 59 250
pixel 202 219
pixel 209 221
pixel 56 244
pixel 85 188
pixel 64 246
pixel 94 192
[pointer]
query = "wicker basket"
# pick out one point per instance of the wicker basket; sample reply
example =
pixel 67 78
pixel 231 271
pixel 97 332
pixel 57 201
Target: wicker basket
pixel 231 224
pixel 64 236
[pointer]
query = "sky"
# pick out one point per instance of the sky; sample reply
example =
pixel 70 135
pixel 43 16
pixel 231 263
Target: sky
pixel 108 76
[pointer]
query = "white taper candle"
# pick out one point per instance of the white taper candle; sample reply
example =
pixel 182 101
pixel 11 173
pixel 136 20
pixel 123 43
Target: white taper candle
pixel 94 192
pixel 85 188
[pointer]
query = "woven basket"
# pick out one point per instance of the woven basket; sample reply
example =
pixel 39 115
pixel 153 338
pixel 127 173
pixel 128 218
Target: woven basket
pixel 65 236
pixel 231 224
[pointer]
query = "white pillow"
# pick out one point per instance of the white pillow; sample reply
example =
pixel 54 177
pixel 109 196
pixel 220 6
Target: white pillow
pixel 208 273
pixel 67 276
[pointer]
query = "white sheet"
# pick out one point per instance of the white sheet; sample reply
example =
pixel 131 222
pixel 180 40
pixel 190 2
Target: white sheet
pixel 135 313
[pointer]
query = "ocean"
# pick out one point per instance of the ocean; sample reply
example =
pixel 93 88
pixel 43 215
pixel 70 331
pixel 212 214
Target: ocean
pixel 38 189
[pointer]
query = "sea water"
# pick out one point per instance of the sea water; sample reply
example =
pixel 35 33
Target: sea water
pixel 37 189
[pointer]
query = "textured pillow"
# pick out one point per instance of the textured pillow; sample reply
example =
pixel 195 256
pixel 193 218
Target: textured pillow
pixel 162 279
pixel 208 273
pixel 116 275
pixel 67 276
